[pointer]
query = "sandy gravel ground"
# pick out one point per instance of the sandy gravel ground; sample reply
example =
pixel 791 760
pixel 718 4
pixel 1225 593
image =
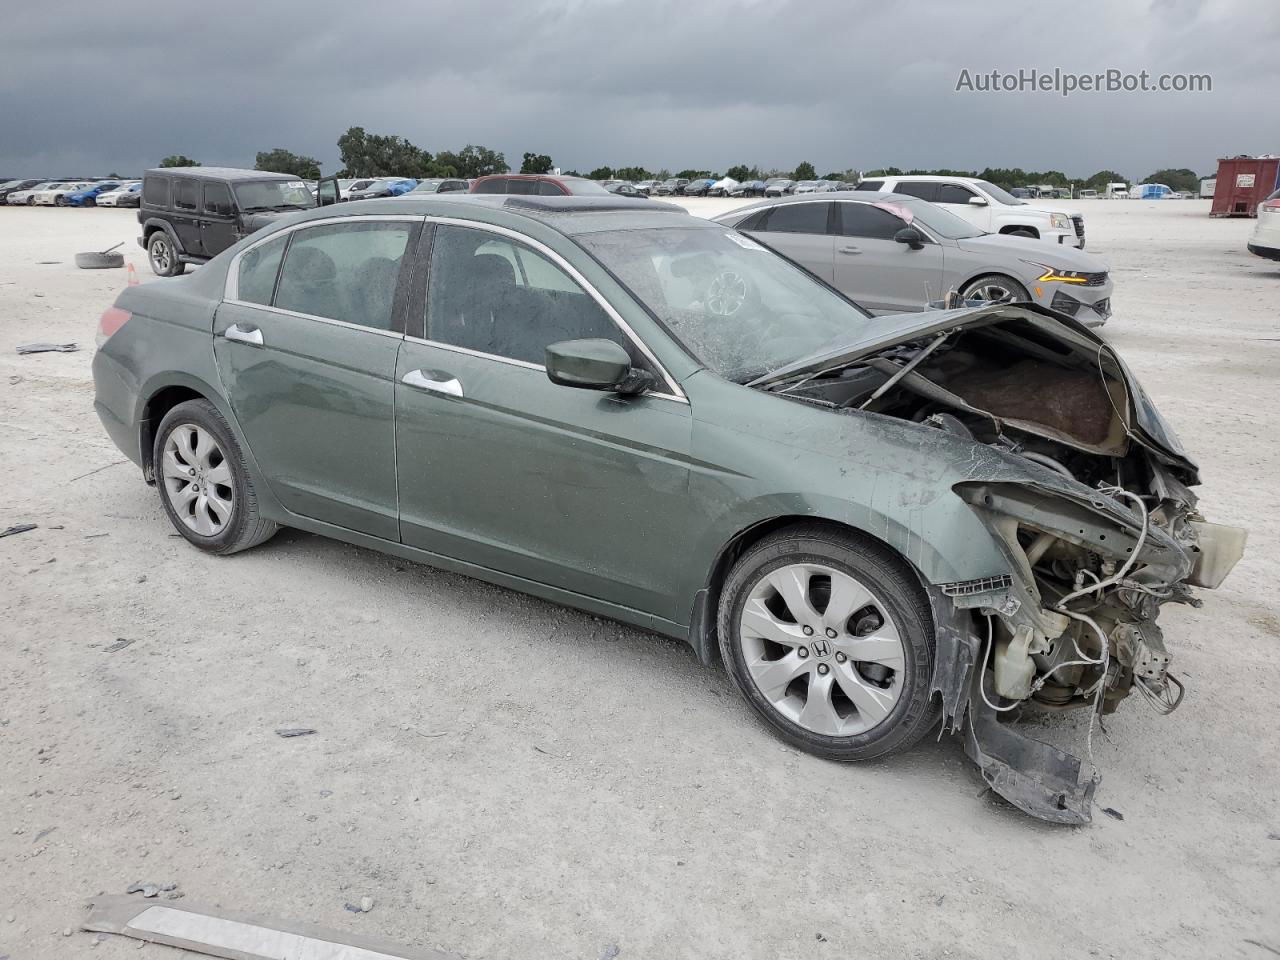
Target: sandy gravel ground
pixel 511 779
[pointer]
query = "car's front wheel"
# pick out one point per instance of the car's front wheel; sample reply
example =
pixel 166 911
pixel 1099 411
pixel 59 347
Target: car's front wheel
pixel 204 482
pixel 829 638
pixel 163 256
pixel 995 288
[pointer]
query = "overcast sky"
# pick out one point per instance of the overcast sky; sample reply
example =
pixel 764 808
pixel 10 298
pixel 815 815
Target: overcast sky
pixel 710 84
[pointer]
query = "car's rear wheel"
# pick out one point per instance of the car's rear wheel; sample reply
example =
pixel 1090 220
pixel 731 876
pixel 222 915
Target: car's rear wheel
pixel 59 201
pixel 163 256
pixel 829 638
pixel 995 288
pixel 204 482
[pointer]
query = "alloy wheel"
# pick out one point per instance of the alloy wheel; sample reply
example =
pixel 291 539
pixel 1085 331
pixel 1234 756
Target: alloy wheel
pixel 161 258
pixel 197 480
pixel 992 292
pixel 822 649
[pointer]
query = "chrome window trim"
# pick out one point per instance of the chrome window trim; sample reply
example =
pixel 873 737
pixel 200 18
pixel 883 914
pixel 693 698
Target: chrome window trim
pixel 231 291
pixel 395 334
pixel 675 393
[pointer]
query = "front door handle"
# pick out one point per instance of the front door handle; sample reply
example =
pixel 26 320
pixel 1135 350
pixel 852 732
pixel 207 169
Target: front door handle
pixel 433 381
pixel 246 334
pixel 850 250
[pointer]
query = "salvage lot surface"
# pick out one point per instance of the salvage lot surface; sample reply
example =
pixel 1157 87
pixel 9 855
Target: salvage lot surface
pixel 508 779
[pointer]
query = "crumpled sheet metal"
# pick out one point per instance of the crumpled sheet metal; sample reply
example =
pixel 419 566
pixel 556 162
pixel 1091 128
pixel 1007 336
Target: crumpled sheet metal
pixel 235 936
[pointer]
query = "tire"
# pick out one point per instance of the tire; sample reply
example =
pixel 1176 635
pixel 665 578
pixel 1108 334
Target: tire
pixel 59 201
pixel 163 256
pixel 99 261
pixel 987 286
pixel 224 517
pixel 890 707
pixel 1023 232
pixel 31 201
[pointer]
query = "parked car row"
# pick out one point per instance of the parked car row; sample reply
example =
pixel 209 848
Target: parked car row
pixel 70 193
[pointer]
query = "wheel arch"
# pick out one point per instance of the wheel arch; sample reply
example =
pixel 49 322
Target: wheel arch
pixel 1020 228
pixel 993 272
pixel 702 623
pixel 152 224
pixel 161 395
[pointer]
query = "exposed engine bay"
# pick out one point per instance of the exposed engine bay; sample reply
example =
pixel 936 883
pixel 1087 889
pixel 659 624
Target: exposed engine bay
pixel 1096 520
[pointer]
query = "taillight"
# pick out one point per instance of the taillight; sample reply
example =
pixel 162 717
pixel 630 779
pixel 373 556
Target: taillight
pixel 113 318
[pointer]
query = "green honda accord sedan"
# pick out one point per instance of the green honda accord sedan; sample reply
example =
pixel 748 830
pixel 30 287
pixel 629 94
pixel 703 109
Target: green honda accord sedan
pixel 875 523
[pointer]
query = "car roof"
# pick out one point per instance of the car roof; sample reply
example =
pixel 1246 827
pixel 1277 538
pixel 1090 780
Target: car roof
pixel 927 176
pixel 567 215
pixel 856 196
pixel 220 173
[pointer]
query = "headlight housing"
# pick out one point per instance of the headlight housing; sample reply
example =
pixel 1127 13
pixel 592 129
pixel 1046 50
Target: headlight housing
pixel 1059 221
pixel 1053 275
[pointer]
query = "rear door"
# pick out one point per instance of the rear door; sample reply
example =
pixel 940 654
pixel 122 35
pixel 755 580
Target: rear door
pixel 306 345
pixel 580 489
pixel 802 231
pixel 876 271
pixel 217 219
pixel 186 214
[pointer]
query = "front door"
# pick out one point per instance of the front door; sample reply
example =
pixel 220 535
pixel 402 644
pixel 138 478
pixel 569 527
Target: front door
pixel 873 269
pixel 307 353
pixel 583 490
pixel 956 198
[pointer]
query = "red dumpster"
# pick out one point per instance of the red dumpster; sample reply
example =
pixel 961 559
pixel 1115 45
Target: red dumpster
pixel 1243 183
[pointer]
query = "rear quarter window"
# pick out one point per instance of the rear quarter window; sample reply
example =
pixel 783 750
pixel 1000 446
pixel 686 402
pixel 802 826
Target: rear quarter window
pixel 155 191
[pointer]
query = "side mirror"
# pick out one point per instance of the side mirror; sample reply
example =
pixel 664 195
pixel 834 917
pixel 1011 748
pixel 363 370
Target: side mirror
pixel 595 365
pixel 978 201
pixel 912 237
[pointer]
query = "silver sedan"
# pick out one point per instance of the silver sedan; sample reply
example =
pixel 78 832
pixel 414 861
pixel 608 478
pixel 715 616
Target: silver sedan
pixel 893 254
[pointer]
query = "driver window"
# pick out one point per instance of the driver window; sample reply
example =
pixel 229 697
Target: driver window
pixel 500 297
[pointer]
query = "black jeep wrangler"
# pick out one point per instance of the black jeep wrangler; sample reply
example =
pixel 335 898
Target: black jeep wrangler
pixel 192 214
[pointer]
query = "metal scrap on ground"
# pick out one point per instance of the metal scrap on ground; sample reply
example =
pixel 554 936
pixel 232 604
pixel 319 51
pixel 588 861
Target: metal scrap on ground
pixel 295 732
pixel 48 347
pixel 238 936
pixel 17 528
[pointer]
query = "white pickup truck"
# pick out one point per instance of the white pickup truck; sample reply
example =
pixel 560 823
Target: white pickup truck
pixel 988 207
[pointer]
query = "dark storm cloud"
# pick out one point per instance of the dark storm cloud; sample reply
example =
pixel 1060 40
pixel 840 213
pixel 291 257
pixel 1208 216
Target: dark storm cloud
pixel 661 84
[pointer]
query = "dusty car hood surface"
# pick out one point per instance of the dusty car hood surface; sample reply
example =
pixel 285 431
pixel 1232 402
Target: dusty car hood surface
pixel 879 333
pixel 1056 255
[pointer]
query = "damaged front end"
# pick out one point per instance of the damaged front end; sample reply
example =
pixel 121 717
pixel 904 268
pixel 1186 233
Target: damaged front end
pixel 1084 489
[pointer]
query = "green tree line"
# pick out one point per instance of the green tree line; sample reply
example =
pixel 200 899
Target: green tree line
pixel 365 154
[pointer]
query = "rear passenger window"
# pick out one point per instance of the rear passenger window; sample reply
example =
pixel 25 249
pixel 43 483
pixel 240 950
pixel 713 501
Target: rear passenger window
pixel 548 189
pixel 798 218
pixel 345 271
pixel 491 295
pixel 256 280
pixel 186 194
pixel 492 186
pixel 525 187
pixel 155 191
pixel 756 220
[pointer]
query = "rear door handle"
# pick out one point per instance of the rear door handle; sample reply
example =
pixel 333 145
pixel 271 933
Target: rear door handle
pixel 433 381
pixel 850 250
pixel 247 334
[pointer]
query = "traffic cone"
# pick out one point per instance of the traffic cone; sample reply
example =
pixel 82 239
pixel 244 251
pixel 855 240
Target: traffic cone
pixel 133 275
